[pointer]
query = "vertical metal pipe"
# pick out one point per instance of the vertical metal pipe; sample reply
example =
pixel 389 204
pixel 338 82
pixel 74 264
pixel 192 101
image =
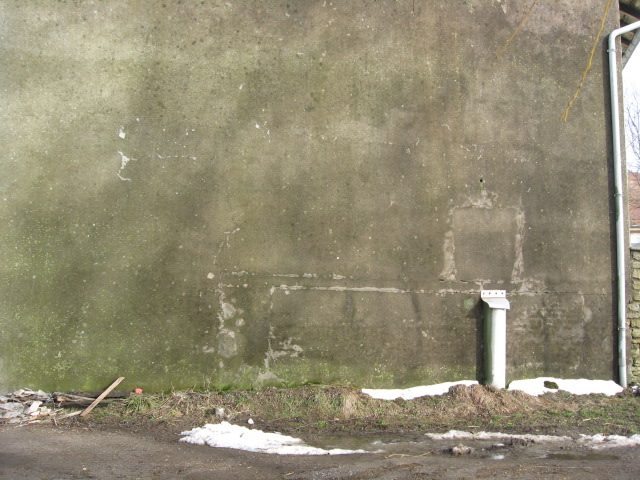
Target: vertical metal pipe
pixel 620 223
pixel 495 337
pixel 495 358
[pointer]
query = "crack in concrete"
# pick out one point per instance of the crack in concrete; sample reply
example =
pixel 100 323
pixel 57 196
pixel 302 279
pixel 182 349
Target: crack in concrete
pixel 224 243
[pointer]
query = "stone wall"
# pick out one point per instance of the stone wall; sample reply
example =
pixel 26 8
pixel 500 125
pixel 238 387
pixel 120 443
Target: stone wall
pixel 633 314
pixel 234 193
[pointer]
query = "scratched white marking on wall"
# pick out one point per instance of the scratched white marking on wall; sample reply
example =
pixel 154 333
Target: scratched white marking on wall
pixel 223 243
pixel 518 265
pixel 448 249
pixel 444 291
pixel 286 349
pixel 244 273
pixel 166 157
pixel 227 341
pixel 123 164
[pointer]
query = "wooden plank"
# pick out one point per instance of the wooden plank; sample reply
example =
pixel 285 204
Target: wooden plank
pixel 87 410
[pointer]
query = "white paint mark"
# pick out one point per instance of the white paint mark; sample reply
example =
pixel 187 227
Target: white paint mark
pixel 286 348
pixel 517 272
pixel 122 134
pixel 441 292
pixel 165 157
pixel 210 276
pixel 287 288
pixel 123 164
pixel 449 267
pixel 227 344
pixel 223 243
pixel 228 310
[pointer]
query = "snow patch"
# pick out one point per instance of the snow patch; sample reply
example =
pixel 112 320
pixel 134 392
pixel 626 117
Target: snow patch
pixel 415 392
pixel 597 442
pixel 226 435
pixel 535 386
pixel 461 435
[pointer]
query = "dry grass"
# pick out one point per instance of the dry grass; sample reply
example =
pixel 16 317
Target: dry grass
pixel 330 409
pixel 480 400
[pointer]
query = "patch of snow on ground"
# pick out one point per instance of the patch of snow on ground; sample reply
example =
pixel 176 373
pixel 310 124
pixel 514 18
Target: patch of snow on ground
pixel 226 435
pixel 415 392
pixel 596 442
pixel 458 435
pixel 535 386
pixel 599 441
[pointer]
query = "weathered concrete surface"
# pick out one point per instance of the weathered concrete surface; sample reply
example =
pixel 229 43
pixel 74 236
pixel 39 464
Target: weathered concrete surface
pixel 224 193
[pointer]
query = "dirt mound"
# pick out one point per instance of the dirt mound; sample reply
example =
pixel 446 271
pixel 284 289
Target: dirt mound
pixel 487 400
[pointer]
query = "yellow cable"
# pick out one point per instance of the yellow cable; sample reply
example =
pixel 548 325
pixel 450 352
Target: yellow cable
pixel 526 15
pixel 565 114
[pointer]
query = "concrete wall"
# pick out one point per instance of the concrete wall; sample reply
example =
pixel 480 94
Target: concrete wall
pixel 227 193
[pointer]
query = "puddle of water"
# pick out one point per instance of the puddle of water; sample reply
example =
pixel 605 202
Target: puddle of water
pixel 368 443
pixel 418 445
pixel 577 457
pixel 389 445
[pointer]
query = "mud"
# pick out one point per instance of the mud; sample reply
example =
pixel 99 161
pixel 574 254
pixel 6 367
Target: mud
pixel 79 452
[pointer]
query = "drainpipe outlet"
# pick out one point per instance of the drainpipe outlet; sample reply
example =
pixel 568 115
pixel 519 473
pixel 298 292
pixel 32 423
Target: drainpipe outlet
pixel 495 337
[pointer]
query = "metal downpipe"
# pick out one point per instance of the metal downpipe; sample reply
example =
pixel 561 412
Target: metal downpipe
pixel 620 223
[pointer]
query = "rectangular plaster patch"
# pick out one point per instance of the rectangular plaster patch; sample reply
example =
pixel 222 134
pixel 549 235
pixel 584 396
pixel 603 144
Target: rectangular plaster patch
pixel 485 243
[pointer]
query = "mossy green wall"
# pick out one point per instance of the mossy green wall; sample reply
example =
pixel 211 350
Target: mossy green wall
pixel 220 193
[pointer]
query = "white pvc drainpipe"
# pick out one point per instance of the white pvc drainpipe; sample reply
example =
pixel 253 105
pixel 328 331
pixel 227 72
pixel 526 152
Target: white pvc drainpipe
pixel 620 223
pixel 495 337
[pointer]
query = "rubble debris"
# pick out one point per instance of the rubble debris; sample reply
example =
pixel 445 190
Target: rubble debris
pixel 460 449
pixel 29 406
pixel 26 406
